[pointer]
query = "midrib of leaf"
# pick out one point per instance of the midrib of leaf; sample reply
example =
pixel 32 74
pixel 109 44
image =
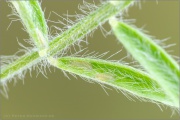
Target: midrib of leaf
pixel 62 41
pixel 120 76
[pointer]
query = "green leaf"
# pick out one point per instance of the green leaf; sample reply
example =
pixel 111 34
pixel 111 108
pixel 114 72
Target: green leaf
pixel 151 56
pixel 33 19
pixel 114 74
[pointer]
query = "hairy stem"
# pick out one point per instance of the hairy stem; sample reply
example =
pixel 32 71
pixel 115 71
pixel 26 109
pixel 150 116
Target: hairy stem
pixel 151 56
pixel 19 65
pixel 86 25
pixel 117 75
pixel 67 38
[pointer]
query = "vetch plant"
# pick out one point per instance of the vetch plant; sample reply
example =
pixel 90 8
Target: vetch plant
pixel 158 84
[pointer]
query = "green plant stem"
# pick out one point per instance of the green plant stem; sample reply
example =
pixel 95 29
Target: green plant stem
pixel 67 38
pixel 86 25
pixel 151 56
pixel 33 19
pixel 17 67
pixel 117 75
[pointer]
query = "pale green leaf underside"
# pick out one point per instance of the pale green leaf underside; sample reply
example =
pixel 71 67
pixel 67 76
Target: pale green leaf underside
pixel 114 74
pixel 151 56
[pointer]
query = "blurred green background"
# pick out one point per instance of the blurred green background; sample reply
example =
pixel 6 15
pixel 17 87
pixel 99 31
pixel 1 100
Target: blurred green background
pixel 60 98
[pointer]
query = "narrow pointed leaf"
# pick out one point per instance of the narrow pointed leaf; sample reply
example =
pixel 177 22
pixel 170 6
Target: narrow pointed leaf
pixel 151 56
pixel 114 74
pixel 33 19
